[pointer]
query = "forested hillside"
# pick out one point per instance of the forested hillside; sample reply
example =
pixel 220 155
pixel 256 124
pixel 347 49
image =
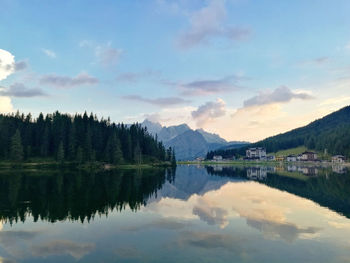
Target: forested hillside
pixel 331 133
pixel 78 138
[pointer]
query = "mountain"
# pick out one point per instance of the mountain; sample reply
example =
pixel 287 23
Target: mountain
pixel 169 133
pixel 331 133
pixel 189 144
pixel 211 137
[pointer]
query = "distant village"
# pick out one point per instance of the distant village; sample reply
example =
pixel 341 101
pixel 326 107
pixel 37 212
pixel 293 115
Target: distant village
pixel 259 154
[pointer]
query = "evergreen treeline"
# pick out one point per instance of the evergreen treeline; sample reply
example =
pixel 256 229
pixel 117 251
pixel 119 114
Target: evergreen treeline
pixel 78 138
pixel 331 133
pixel 77 195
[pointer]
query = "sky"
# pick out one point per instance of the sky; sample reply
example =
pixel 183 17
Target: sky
pixel 243 69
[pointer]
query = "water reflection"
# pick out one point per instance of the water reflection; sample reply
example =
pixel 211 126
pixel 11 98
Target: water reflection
pixel 328 186
pixel 218 213
pixel 68 195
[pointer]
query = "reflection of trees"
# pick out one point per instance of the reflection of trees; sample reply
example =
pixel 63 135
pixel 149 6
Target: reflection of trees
pixel 332 191
pixel 76 195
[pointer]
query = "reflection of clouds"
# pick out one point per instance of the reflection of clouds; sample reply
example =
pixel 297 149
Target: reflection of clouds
pixel 162 223
pixel 209 240
pixel 128 252
pixel 275 213
pixel 6 260
pixel 63 247
pixel 339 225
pixel 211 215
pixel 9 238
pixel 287 231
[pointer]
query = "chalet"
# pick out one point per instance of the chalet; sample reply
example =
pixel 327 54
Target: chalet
pixel 292 158
pixel 338 159
pixel 217 158
pixel 308 156
pixel 280 158
pixel 256 153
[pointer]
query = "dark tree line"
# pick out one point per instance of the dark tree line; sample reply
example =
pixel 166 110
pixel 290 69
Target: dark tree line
pixel 77 195
pixel 78 138
pixel 331 133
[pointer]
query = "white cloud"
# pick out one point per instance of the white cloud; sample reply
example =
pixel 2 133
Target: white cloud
pixel 49 53
pixel 6 105
pixel 108 55
pixel 208 23
pixel 208 112
pixel 7 62
pixel 279 95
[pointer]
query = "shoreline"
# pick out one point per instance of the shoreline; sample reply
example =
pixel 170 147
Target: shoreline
pixel 37 165
pixel 266 163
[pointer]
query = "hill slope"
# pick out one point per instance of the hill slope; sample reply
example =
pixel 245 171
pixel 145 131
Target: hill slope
pixel 331 133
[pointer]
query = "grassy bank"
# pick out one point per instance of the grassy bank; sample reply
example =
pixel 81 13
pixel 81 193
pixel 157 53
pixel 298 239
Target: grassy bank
pixel 34 165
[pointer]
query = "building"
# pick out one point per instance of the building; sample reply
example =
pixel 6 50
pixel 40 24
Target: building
pixel 256 153
pixel 338 159
pixel 217 158
pixel 257 173
pixel 292 158
pixel 280 158
pixel 308 156
pixel 270 158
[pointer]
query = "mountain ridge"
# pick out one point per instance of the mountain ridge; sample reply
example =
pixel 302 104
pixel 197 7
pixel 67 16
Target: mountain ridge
pixel 189 144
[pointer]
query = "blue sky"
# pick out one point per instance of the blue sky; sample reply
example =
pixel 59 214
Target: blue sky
pixel 241 68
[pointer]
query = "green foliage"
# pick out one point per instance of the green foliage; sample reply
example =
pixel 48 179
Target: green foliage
pixel 78 138
pixel 16 147
pixel 292 151
pixel 330 134
pixel 60 153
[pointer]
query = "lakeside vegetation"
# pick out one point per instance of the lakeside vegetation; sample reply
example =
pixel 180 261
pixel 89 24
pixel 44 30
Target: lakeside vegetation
pixel 331 134
pixel 81 140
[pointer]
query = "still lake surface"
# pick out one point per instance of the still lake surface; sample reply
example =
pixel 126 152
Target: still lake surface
pixel 191 214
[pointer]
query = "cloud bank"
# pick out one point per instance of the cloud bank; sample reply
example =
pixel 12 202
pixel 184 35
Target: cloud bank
pixel 207 23
pixel 21 91
pixel 208 112
pixel 82 79
pixel 279 95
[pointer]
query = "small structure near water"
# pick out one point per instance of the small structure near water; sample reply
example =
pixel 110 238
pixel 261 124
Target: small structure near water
pixel 257 153
pixel 338 159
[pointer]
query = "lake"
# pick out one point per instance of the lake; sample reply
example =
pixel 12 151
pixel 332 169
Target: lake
pixel 188 214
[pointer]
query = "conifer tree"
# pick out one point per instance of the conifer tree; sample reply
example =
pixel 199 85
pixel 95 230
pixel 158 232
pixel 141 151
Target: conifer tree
pixel 16 147
pixel 60 153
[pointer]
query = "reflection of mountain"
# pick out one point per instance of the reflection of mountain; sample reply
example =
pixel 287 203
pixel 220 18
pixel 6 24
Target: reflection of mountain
pixel 328 189
pixel 74 195
pixel 190 180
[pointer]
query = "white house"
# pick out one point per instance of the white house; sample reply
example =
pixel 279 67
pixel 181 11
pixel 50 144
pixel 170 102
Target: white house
pixel 338 159
pixel 217 158
pixel 256 153
pixel 308 156
pixel 292 158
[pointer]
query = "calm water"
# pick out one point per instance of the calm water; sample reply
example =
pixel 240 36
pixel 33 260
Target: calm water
pixel 193 214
